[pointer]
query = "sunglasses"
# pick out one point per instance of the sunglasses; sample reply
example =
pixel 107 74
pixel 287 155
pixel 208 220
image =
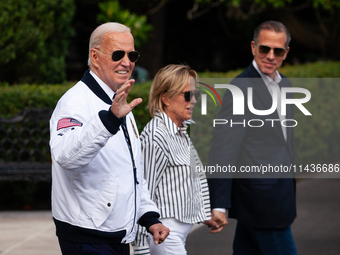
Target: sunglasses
pixel 189 94
pixel 279 52
pixel 119 54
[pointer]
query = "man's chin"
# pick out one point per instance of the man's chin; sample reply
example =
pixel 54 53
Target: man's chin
pixel 120 81
pixel 268 71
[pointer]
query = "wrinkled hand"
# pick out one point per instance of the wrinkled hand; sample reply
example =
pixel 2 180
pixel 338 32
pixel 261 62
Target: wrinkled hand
pixel 218 221
pixel 159 232
pixel 211 224
pixel 120 107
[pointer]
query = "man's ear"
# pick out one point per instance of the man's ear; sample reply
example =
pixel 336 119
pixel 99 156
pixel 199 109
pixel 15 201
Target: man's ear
pixel 287 50
pixel 94 57
pixel 252 45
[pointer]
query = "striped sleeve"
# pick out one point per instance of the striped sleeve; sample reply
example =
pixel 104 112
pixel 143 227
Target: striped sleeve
pixel 155 160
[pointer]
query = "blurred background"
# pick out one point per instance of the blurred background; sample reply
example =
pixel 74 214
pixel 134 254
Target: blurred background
pixel 44 51
pixel 46 41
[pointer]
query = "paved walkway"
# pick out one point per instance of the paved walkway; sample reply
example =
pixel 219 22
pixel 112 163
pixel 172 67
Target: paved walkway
pixel 27 233
pixel 316 229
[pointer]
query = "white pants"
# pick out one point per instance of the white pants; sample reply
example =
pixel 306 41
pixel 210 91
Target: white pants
pixel 174 244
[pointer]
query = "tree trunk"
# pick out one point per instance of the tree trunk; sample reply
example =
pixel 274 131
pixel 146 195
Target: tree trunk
pixel 152 52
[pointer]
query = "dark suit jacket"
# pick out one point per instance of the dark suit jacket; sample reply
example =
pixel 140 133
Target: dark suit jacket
pixel 252 199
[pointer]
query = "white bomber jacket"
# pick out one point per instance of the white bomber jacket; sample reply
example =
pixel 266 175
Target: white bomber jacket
pixel 97 197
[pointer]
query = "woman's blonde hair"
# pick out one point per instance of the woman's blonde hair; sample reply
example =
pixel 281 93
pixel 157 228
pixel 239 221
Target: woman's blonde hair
pixel 170 79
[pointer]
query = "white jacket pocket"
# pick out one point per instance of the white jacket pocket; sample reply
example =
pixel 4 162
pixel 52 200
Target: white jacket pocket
pixel 105 202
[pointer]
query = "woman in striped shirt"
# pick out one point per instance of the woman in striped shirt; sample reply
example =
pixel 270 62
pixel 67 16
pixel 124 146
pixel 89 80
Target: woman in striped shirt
pixel 180 193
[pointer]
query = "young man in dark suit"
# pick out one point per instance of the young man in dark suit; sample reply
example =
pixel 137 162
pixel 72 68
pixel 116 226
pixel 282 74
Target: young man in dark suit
pixel 264 205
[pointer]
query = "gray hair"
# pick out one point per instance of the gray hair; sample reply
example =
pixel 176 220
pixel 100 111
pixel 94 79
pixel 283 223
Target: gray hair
pixel 98 34
pixel 275 26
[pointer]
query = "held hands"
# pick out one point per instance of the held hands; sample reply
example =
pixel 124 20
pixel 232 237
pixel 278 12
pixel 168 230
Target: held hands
pixel 218 221
pixel 159 232
pixel 120 107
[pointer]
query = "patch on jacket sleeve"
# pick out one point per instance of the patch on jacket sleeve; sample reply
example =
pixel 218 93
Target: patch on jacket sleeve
pixel 68 122
pixel 65 130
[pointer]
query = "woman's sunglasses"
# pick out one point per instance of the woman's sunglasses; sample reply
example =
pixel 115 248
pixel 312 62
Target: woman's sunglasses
pixel 189 94
pixel 119 54
pixel 279 52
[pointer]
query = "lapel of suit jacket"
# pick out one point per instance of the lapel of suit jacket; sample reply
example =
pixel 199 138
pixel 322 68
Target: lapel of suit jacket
pixel 289 115
pixel 261 90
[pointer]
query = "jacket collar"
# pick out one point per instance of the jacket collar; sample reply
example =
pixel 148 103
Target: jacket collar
pixel 265 77
pixel 169 124
pixel 94 86
pixel 263 94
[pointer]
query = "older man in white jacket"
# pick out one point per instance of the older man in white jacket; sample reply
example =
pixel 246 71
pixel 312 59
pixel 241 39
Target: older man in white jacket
pixel 98 190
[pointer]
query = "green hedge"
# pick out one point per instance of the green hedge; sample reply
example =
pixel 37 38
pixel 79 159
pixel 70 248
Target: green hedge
pixel 316 137
pixel 17 97
pixel 319 69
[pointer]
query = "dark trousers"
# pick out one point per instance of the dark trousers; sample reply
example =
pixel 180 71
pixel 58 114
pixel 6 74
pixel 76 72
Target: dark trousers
pixel 257 241
pixel 70 248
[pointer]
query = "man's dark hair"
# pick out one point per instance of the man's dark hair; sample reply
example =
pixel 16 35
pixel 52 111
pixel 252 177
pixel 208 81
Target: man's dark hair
pixel 275 26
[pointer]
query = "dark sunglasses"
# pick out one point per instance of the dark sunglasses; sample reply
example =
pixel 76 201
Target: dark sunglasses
pixel 119 54
pixel 189 94
pixel 279 52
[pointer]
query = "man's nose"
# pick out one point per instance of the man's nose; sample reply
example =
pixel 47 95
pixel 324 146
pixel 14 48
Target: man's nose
pixel 126 61
pixel 271 54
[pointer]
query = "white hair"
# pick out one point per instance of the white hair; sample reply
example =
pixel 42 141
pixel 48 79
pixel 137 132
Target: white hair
pixel 98 34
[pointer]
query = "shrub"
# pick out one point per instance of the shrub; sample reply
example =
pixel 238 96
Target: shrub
pixel 316 137
pixel 34 40
pixel 319 69
pixel 17 97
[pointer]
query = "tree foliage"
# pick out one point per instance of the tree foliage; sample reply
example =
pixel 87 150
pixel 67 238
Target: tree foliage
pixel 112 12
pixel 312 23
pixel 34 39
pixel 258 5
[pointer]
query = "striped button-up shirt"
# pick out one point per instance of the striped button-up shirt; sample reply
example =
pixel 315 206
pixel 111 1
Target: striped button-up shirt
pixel 170 161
